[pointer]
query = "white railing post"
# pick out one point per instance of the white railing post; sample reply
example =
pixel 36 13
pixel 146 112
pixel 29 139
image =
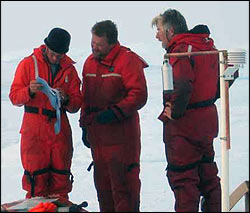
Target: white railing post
pixel 224 133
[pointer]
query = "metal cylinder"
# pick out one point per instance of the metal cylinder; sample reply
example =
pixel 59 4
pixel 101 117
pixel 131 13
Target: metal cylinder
pixel 167 77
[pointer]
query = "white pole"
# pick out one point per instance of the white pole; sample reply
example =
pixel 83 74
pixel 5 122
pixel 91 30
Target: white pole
pixel 224 134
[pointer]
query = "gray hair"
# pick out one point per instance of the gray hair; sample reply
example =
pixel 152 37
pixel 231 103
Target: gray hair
pixel 171 18
pixel 156 20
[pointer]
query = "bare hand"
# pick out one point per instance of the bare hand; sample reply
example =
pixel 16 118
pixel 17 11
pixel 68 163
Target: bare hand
pixel 167 110
pixel 62 94
pixel 34 86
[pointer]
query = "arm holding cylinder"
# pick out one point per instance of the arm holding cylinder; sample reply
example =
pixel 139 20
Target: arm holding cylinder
pixel 177 87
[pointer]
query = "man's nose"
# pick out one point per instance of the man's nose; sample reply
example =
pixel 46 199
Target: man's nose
pixel 157 36
pixel 95 48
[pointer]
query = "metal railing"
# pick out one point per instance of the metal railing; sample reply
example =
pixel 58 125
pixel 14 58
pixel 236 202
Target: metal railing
pixel 238 193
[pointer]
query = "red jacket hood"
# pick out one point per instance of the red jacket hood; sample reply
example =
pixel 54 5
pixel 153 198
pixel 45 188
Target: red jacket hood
pixel 200 41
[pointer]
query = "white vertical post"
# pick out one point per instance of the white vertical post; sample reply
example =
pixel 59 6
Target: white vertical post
pixel 224 134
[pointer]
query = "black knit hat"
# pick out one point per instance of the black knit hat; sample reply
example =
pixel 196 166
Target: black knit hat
pixel 58 40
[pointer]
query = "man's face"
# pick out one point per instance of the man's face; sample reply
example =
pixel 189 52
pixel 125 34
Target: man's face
pixel 53 57
pixel 161 35
pixel 100 46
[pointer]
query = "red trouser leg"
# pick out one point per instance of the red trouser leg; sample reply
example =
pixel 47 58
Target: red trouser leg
pixel 132 178
pixel 185 187
pixel 117 188
pixel 61 157
pixel 112 190
pixel 103 187
pixel 183 178
pixel 126 189
pixel 117 184
pixel 210 187
pixel 184 158
pixel 34 157
pixel 40 187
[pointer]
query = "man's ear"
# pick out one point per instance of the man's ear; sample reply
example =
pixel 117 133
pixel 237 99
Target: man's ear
pixel 170 31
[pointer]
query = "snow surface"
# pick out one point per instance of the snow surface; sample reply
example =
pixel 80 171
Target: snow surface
pixel 156 194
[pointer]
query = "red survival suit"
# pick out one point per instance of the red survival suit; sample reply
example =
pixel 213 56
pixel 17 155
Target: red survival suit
pixel 116 82
pixel 46 157
pixel 188 138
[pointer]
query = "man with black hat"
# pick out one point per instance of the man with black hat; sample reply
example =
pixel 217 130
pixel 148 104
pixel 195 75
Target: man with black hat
pixel 46 156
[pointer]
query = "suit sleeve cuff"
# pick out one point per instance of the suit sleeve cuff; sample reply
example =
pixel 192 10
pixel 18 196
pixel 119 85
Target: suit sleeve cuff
pixel 163 117
pixel 32 95
pixel 118 112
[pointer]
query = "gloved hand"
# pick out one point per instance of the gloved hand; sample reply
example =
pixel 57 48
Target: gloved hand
pixel 106 117
pixel 84 137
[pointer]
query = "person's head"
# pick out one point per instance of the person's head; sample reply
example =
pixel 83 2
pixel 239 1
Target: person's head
pixel 57 44
pixel 160 32
pixel 104 37
pixel 168 24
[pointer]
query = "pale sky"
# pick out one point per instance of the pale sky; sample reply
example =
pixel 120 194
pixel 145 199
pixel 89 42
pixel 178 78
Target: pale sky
pixel 25 24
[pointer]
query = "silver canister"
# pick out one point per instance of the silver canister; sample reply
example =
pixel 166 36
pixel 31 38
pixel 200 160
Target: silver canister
pixel 167 77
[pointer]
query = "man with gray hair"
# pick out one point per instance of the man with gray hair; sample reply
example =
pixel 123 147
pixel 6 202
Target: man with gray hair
pixel 190 116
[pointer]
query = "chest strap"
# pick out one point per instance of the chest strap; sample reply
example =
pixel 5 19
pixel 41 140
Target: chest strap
pixel 201 104
pixel 36 66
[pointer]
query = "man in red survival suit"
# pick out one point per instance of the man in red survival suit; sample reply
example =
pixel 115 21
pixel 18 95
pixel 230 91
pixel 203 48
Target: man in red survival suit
pixel 46 156
pixel 190 116
pixel 114 89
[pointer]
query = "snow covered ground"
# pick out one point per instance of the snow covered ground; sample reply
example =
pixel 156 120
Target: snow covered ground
pixel 156 194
